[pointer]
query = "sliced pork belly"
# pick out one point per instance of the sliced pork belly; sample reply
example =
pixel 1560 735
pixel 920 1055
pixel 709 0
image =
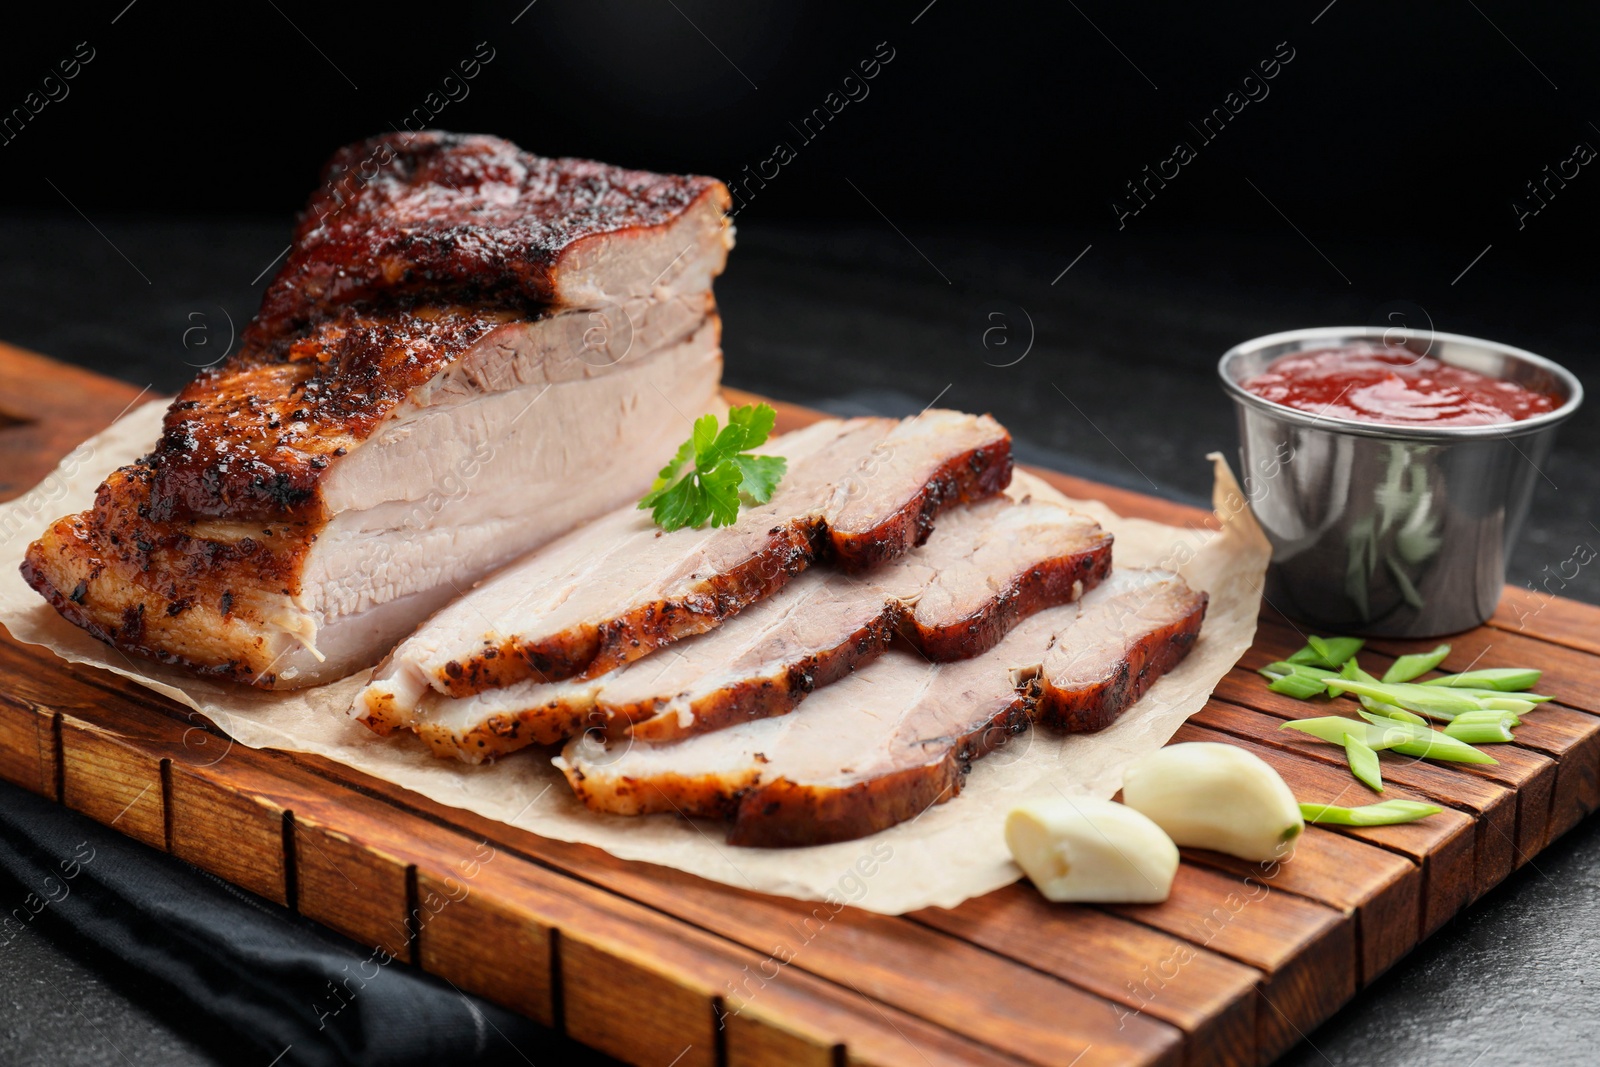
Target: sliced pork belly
pixel 1135 627
pixel 869 751
pixel 816 630
pixel 985 567
pixel 467 216
pixel 957 594
pixel 899 734
pixel 994 563
pixel 612 592
pixel 928 463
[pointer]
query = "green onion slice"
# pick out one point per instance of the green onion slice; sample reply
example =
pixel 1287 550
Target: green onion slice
pixel 1510 718
pixel 1329 652
pixel 1479 733
pixel 1423 743
pixel 1415 665
pixel 1352 670
pixel 1511 705
pixel 1298 686
pixel 1433 702
pixel 1335 728
pixel 1305 670
pixel 1504 679
pixel 1363 762
pixel 1386 813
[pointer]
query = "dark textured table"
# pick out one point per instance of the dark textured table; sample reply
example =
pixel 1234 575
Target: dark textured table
pixel 1108 372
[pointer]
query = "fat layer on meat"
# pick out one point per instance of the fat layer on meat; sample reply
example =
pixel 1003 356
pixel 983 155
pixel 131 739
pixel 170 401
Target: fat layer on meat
pixel 619 588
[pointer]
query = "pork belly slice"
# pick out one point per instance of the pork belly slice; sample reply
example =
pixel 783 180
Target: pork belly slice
pixel 612 592
pixel 452 216
pixel 307 506
pixel 984 568
pixel 928 463
pixel 813 632
pixel 1135 627
pixel 993 564
pixel 874 749
pixel 764 663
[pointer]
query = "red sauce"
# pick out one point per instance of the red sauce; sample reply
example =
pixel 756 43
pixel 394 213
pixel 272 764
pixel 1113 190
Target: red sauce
pixel 1395 386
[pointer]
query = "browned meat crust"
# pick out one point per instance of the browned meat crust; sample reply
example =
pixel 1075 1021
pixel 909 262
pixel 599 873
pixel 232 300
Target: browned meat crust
pixel 461 216
pixel 250 438
pixel 121 623
pixel 591 650
pixel 687 795
pixel 500 734
pixel 974 475
pixel 1051 582
pixel 753 698
pixel 782 814
pixel 157 590
pixel 1091 708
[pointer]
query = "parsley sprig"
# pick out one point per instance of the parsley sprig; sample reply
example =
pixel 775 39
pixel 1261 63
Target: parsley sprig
pixel 724 475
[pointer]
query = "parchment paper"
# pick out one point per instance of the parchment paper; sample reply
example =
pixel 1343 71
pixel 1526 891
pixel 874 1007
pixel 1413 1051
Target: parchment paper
pixel 951 852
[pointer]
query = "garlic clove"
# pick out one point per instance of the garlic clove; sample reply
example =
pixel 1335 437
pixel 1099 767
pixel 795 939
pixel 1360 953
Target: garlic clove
pixel 1207 794
pixel 1092 851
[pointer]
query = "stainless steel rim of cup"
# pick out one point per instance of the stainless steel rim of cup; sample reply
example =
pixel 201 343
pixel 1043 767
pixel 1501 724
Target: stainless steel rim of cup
pixel 1291 340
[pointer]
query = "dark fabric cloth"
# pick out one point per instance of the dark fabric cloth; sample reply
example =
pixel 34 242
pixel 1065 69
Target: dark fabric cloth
pixel 242 975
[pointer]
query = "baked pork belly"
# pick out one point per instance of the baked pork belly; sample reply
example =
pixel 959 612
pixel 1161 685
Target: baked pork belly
pixel 615 590
pixel 996 563
pixel 321 491
pixel 874 749
pixel 403 515
pixel 1135 627
pixel 985 567
pixel 426 213
pixel 898 735
pixel 814 631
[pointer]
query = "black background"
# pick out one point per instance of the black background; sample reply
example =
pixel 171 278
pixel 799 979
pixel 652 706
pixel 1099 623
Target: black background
pixel 1375 183
pixel 1396 140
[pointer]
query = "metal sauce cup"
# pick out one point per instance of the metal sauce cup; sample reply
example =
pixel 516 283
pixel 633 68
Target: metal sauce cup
pixel 1399 531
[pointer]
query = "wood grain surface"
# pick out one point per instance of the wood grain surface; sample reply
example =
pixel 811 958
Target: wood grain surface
pixel 1240 964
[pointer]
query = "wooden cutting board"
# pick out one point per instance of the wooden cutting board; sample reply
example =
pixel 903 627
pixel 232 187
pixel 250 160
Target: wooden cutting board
pixel 657 966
